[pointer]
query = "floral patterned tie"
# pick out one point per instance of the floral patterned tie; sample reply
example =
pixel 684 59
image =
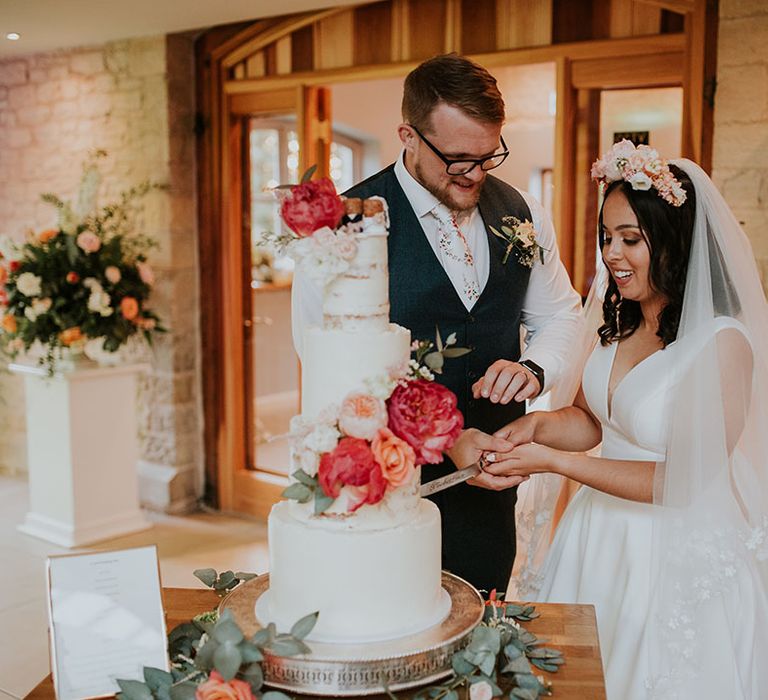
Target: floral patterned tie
pixel 455 255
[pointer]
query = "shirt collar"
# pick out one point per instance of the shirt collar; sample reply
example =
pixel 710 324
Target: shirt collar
pixel 421 199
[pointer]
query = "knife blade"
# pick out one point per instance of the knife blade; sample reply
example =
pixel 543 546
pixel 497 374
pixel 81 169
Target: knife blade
pixel 445 482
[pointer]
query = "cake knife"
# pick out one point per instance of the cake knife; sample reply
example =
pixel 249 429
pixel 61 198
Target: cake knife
pixel 444 482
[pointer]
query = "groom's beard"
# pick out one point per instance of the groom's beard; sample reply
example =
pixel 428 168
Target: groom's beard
pixel 442 192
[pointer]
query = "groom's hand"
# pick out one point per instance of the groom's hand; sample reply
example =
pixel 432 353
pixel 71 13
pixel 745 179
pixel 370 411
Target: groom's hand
pixel 504 381
pixel 473 444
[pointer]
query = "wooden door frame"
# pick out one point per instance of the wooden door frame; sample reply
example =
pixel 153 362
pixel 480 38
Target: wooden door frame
pixel 582 68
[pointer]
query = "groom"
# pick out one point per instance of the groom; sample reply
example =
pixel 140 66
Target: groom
pixel 447 270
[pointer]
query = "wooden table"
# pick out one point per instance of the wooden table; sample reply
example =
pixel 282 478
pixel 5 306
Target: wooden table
pixel 570 628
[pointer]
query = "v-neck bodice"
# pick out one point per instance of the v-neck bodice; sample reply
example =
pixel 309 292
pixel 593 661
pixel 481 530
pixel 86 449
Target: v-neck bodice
pixel 635 425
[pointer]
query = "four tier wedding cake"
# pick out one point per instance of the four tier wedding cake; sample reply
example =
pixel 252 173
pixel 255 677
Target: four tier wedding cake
pixel 355 542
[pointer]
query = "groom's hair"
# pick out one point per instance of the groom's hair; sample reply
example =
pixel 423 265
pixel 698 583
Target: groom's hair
pixel 455 80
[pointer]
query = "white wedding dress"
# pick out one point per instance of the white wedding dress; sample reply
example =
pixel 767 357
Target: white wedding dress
pixel 602 551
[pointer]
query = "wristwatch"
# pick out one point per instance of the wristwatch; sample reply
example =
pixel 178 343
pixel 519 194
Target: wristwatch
pixel 536 371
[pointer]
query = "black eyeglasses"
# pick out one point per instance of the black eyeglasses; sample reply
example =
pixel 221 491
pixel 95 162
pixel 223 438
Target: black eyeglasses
pixel 462 167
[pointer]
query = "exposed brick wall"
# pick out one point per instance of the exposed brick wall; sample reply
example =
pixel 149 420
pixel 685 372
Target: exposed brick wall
pixel 740 162
pixel 135 99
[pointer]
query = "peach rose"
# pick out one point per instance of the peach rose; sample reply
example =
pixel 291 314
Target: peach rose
pixel 129 307
pixel 216 688
pixel 70 336
pixel 88 242
pixel 362 415
pixel 47 235
pixel 395 457
pixel 9 323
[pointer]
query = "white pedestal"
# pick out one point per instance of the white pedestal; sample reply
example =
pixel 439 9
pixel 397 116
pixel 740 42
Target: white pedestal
pixel 82 454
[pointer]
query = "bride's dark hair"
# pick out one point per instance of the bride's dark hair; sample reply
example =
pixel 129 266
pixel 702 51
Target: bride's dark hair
pixel 667 231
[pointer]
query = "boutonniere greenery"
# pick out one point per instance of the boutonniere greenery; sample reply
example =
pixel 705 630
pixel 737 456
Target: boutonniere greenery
pixel 520 237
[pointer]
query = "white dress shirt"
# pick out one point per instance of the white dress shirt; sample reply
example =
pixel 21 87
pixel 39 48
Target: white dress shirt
pixel 551 308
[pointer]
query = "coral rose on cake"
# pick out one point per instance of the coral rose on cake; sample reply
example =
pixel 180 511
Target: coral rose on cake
pixel 352 463
pixel 216 688
pixel 395 457
pixel 47 235
pixel 362 416
pixel 424 414
pixel 312 205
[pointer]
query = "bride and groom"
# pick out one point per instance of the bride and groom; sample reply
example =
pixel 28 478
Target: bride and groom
pixel 668 534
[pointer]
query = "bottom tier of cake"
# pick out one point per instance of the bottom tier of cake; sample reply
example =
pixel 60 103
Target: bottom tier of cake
pixel 367 585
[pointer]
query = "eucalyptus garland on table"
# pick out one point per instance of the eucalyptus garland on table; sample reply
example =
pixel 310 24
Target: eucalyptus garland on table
pixel 212 658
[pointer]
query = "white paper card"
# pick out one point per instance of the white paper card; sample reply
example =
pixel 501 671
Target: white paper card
pixel 106 619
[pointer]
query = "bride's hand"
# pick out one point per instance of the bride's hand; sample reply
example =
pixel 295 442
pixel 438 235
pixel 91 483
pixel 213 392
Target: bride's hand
pixel 520 431
pixel 523 461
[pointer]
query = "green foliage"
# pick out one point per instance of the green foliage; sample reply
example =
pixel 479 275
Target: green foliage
pixel 198 648
pixel 307 488
pixel 224 582
pixel 432 356
pixel 499 646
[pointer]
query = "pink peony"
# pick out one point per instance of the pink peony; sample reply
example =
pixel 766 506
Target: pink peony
pixel 395 457
pixel 352 463
pixel 88 241
pixel 216 688
pixel 424 414
pixel 311 206
pixel 362 416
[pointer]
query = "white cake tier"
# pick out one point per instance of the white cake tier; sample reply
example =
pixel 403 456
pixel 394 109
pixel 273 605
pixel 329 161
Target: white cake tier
pixel 367 585
pixel 338 361
pixel 363 290
pixel 399 506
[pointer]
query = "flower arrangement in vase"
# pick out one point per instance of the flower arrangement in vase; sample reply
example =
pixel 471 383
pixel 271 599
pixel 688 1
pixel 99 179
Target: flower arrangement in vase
pixel 81 285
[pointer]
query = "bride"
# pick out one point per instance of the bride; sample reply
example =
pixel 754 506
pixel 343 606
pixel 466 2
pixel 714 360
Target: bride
pixel 668 534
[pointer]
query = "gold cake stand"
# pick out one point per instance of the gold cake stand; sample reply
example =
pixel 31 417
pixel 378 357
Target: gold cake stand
pixel 364 669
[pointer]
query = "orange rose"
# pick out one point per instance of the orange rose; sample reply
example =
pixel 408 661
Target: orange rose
pixel 395 457
pixel 70 336
pixel 47 235
pixel 129 307
pixel 3 275
pixel 216 688
pixel 9 323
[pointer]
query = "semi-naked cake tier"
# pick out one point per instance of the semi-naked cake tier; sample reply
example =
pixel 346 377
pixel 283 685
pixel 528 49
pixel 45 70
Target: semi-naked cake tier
pixel 368 586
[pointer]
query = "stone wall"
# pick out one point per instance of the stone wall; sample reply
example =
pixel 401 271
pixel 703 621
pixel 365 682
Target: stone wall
pixel 135 99
pixel 740 162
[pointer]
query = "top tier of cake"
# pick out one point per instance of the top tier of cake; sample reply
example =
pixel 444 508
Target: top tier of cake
pixel 359 298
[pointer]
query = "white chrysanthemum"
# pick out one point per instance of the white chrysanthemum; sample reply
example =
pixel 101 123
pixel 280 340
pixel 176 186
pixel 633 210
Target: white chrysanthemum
pixel 29 284
pixel 322 439
pixel 640 181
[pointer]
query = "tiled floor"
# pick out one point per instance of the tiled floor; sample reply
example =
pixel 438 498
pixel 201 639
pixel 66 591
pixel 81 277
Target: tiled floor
pixel 184 544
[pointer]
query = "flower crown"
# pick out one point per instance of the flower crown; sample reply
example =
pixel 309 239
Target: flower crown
pixel 642 167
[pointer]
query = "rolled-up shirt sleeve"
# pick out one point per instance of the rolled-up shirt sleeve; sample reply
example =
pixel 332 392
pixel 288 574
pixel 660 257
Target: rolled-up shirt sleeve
pixel 551 312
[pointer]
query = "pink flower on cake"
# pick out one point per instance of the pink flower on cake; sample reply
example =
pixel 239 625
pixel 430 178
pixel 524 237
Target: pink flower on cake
pixel 312 205
pixel 216 688
pixel 146 273
pixel 424 414
pixel 395 457
pixel 362 416
pixel 352 464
